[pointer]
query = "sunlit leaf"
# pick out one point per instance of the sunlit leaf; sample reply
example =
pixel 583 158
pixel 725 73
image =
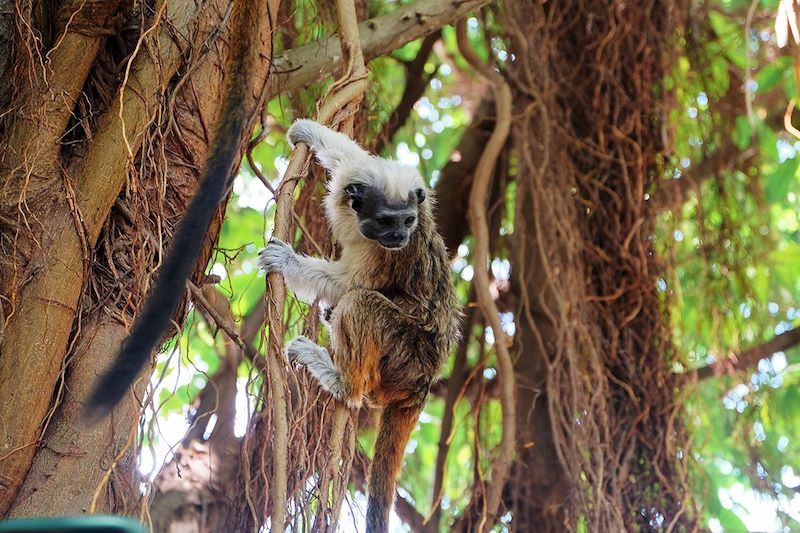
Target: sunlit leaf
pixel 779 182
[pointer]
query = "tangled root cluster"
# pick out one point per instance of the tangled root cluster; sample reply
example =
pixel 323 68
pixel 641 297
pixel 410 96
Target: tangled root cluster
pixel 588 132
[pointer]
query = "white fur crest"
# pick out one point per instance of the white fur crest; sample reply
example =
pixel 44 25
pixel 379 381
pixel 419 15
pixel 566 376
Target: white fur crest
pixel 347 163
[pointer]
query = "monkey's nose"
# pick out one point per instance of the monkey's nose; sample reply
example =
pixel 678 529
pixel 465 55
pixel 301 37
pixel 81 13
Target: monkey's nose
pixel 395 237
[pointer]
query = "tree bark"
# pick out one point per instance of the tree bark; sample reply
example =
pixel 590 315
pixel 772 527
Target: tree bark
pixel 599 422
pixel 46 305
pixel 73 459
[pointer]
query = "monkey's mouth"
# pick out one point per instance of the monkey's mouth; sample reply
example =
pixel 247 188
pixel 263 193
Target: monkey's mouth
pixel 393 245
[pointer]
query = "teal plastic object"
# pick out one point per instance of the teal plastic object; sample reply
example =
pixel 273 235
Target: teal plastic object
pixel 73 524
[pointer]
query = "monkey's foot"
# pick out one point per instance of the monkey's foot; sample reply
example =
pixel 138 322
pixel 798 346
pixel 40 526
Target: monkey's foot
pixel 317 361
pixel 304 351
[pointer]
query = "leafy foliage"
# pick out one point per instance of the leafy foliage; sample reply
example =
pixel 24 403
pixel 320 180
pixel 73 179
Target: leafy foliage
pixel 731 246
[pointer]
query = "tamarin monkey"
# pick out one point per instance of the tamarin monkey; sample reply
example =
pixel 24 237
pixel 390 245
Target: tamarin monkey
pixel 150 325
pixel 394 313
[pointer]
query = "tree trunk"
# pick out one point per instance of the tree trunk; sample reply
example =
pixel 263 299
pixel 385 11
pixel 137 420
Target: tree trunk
pixel 597 413
pixel 72 215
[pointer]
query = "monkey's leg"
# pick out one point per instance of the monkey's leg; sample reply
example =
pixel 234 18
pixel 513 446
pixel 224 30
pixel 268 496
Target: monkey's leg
pixel 368 329
pixel 381 351
pixel 355 344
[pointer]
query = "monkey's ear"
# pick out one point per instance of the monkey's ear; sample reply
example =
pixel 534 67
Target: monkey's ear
pixel 420 195
pixel 355 192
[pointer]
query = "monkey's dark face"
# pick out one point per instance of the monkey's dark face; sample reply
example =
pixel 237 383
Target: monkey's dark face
pixel 389 224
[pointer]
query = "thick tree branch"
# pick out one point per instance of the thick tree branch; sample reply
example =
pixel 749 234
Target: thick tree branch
pixel 34 348
pixel 298 67
pixel 73 459
pixel 748 358
pixel 30 147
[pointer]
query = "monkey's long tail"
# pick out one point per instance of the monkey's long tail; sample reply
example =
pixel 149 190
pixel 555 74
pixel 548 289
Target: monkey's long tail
pixel 395 428
pixel 163 300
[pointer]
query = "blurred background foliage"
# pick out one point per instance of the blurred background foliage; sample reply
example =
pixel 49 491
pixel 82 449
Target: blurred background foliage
pixel 733 245
pixel 729 233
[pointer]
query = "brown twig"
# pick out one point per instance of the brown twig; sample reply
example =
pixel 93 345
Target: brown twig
pixel 276 370
pixel 357 73
pixel 346 91
pixel 480 232
pixel 223 323
pixel 748 358
pixel 218 395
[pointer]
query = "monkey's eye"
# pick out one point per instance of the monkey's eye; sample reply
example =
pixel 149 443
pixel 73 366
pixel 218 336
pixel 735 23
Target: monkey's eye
pixel 409 221
pixel 383 221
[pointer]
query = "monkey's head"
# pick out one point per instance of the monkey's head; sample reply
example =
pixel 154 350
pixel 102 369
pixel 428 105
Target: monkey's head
pixel 387 219
pixel 369 198
pixel 377 200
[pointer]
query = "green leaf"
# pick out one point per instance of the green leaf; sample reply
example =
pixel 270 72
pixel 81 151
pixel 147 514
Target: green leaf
pixel 769 143
pixel 723 26
pixel 772 74
pixel 174 402
pixel 720 74
pixel 741 133
pixel 779 182
pixel 761 284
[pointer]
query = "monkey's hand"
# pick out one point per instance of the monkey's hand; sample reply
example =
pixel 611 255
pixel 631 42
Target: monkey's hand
pixel 308 277
pixel 305 131
pixel 331 147
pixel 276 257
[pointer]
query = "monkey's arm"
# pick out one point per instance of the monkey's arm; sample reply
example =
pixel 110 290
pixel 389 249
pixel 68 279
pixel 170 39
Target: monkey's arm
pixel 333 149
pixel 308 277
